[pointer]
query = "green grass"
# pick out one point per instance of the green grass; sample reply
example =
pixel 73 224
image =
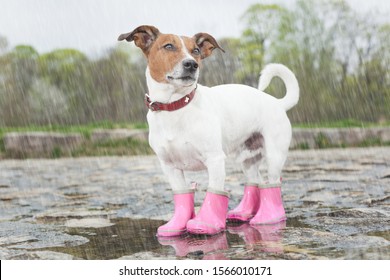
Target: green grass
pixel 121 147
pixel 341 124
pixel 109 148
pixel 2 148
pixel 85 130
pixel 128 147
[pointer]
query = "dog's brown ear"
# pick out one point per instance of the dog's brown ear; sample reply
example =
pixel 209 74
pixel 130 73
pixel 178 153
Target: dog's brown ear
pixel 206 43
pixel 143 37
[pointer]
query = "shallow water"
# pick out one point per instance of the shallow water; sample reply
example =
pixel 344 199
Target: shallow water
pixel 337 204
pixel 135 239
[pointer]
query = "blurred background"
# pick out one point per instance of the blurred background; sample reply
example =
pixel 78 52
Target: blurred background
pixel 60 63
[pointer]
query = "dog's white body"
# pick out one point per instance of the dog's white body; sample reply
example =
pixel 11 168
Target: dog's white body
pixel 218 122
pixel 224 120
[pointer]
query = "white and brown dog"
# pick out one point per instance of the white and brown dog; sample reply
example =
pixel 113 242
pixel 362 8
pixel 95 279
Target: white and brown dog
pixel 193 127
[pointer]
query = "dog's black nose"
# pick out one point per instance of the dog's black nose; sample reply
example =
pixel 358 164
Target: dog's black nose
pixel 190 64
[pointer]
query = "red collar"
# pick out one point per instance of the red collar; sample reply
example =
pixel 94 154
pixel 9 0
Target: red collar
pixel 176 105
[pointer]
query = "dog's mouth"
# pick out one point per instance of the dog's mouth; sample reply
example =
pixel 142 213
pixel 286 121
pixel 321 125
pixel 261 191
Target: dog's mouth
pixel 182 81
pixel 183 78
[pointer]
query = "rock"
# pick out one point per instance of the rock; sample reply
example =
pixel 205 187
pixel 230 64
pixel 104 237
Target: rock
pixel 88 223
pixel 357 213
pixel 385 174
pixel 42 255
pixel 316 241
pixel 328 137
pixel 17 235
pixel 103 135
pixel 303 137
pixel 353 221
pixel 148 256
pixel 41 143
pixel 81 213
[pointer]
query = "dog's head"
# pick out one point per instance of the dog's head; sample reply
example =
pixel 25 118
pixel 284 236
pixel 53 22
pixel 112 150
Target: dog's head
pixel 172 59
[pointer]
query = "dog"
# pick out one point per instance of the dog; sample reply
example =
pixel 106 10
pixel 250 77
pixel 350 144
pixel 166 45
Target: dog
pixel 194 127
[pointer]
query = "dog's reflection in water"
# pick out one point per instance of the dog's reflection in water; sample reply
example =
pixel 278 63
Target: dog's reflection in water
pixel 263 238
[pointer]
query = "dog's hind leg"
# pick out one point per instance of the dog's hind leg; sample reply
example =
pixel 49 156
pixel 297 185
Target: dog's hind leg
pixel 250 167
pixel 250 202
pixel 271 210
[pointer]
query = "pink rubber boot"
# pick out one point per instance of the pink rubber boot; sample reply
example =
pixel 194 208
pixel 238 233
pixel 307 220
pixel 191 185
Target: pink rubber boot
pixel 184 211
pixel 248 206
pixel 271 209
pixel 211 218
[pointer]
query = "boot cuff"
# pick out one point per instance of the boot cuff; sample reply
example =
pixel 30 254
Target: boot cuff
pixel 251 184
pixel 184 191
pixel 214 191
pixel 270 185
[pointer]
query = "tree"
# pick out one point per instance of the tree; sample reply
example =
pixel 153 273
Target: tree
pixel 3 45
pixel 18 72
pixel 331 49
pixel 223 68
pixel 262 24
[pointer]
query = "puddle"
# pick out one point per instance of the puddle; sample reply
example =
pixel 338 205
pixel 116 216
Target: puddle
pixel 125 237
pixel 384 234
pixel 129 237
pixel 135 239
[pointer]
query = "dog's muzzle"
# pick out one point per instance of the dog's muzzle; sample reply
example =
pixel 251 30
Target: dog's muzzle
pixel 187 74
pixel 190 65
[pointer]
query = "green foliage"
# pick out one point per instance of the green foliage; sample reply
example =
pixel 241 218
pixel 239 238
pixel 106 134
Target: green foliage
pixel 2 147
pixel 3 44
pixel 370 142
pixel 56 153
pixel 341 124
pixel 303 146
pixel 322 141
pixel 341 59
pixel 262 23
pixel 121 147
pixel 65 87
pixel 62 66
pixel 86 130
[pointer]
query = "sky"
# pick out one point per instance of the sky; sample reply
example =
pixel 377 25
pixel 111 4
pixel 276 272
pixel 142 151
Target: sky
pixel 93 26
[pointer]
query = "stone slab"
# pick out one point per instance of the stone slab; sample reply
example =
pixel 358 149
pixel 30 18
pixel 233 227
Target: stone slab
pixel 41 143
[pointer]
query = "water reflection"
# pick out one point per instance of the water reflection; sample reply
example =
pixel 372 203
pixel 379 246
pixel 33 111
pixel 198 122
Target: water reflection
pixel 198 247
pixel 264 238
pixel 136 239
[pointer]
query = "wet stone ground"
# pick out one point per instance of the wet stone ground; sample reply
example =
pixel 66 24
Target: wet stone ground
pixel 337 203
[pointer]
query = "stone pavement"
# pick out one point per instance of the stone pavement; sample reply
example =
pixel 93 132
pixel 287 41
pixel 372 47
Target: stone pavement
pixel 337 203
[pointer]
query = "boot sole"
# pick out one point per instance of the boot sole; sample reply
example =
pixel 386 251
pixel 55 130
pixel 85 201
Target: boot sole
pixel 269 222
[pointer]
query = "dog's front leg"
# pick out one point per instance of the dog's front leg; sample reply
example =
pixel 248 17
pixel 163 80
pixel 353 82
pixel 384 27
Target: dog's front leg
pixel 211 218
pixel 216 170
pixel 175 177
pixel 183 198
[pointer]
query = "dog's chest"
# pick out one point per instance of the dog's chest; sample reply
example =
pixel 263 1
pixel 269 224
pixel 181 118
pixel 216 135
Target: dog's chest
pixel 176 148
pixel 180 154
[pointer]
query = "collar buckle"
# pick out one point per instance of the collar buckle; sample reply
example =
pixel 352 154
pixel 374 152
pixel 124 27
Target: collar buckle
pixel 153 106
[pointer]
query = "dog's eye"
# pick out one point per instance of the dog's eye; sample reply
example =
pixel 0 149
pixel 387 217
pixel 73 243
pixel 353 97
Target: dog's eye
pixel 196 51
pixel 169 47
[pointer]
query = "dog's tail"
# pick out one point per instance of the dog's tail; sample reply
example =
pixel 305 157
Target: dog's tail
pixel 292 95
